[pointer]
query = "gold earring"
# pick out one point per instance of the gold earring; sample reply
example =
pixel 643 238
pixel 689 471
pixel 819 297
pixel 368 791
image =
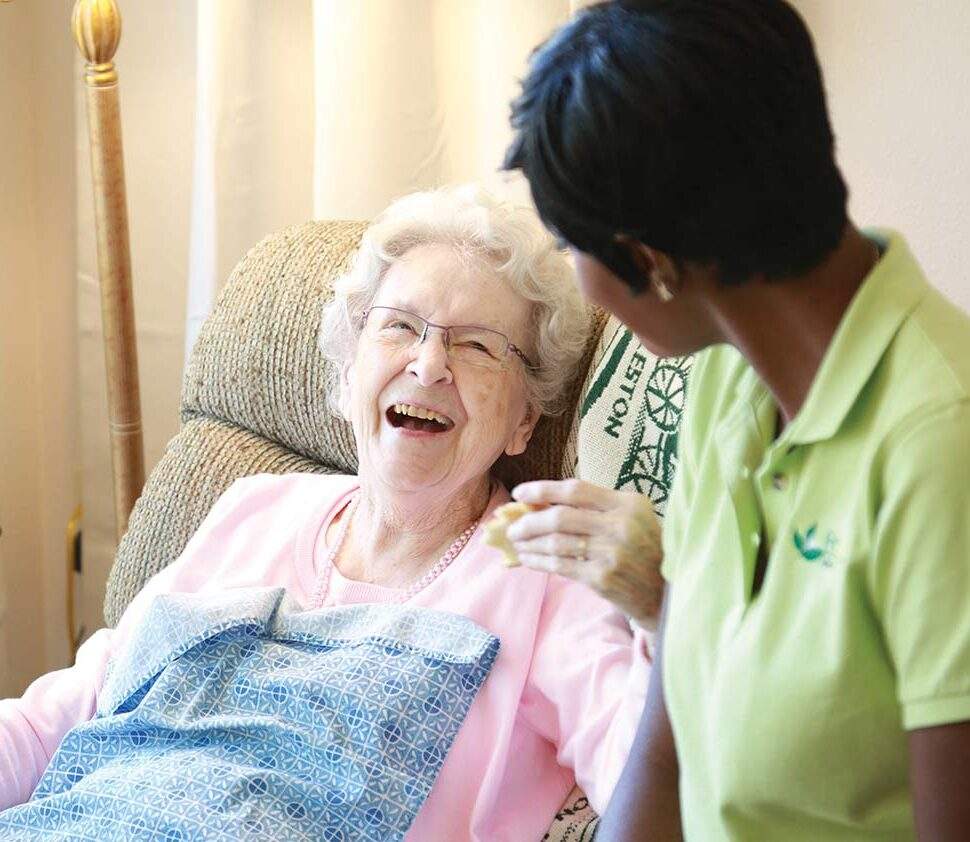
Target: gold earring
pixel 660 288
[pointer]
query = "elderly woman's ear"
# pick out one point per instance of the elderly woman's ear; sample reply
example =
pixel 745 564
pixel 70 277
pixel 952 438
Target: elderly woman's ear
pixel 343 399
pixel 523 433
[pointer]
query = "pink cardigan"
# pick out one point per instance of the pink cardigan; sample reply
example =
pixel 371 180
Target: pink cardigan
pixel 560 705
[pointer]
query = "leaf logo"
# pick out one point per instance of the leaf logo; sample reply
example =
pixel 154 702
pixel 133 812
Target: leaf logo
pixel 806 546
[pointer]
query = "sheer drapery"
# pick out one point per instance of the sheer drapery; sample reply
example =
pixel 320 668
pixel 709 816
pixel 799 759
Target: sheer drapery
pixel 252 169
pixel 331 108
pixel 415 94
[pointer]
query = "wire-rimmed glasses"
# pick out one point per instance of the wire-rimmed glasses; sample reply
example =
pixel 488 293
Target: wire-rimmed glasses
pixel 473 344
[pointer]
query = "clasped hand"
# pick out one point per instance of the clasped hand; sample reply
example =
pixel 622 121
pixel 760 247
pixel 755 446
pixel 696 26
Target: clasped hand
pixel 608 540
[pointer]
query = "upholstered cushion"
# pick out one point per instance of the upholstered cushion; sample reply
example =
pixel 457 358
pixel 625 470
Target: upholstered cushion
pixel 253 398
pixel 629 416
pixel 576 820
pixel 198 465
pixel 256 361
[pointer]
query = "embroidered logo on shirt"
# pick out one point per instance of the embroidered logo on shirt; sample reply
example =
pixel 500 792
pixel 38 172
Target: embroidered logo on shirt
pixel 810 551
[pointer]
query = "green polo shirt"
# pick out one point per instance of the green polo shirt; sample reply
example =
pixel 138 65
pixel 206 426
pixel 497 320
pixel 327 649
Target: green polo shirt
pixel 790 707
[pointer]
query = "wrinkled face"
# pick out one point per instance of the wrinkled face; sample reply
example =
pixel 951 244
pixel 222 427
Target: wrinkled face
pixel 478 409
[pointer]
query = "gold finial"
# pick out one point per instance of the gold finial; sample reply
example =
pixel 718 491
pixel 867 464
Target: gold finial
pixel 97 31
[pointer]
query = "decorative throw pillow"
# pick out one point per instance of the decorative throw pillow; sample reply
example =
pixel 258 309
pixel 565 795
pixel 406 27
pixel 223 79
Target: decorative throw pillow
pixel 629 416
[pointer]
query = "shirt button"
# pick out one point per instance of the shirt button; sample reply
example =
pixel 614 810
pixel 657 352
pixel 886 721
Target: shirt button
pixel 779 482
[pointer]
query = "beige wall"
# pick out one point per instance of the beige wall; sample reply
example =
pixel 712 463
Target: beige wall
pixel 38 347
pixel 898 79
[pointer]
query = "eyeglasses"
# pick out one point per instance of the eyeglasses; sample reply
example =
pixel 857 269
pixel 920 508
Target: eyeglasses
pixel 466 343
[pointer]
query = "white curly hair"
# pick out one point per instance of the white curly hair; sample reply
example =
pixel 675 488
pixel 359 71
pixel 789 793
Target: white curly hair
pixel 509 237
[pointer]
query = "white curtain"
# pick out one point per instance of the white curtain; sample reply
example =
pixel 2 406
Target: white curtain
pixel 414 94
pixel 253 155
pixel 332 108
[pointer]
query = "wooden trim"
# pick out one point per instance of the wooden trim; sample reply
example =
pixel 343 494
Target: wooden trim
pixel 97 31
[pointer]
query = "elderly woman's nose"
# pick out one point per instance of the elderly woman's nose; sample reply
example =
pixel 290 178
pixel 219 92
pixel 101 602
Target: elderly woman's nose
pixel 430 361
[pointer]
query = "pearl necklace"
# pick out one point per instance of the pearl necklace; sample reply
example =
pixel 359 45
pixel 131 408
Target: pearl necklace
pixel 323 586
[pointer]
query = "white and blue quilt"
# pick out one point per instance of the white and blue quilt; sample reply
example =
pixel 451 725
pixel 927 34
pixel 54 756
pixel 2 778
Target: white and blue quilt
pixel 241 716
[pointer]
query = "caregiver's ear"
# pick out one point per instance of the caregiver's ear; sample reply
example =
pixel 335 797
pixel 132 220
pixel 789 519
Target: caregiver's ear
pixel 523 432
pixel 656 267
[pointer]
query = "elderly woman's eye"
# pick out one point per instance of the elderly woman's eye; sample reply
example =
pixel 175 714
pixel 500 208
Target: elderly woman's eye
pixel 403 326
pixel 474 345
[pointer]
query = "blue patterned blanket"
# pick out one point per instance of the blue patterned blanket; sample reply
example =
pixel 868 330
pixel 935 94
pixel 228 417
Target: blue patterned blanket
pixel 243 717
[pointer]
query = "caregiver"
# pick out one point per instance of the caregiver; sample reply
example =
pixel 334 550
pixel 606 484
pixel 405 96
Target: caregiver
pixel 815 652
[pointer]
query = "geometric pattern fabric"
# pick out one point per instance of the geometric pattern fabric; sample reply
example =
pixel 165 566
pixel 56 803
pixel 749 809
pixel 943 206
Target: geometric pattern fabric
pixel 240 716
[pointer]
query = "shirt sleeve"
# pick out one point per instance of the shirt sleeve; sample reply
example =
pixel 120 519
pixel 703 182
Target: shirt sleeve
pixel 675 520
pixel 920 578
pixel 587 685
pixel 33 726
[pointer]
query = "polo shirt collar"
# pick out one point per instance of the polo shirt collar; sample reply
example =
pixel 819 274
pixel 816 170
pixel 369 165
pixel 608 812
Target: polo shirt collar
pixel 887 296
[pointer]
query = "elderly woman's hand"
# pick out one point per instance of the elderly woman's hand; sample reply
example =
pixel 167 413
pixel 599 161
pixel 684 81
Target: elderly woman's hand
pixel 609 540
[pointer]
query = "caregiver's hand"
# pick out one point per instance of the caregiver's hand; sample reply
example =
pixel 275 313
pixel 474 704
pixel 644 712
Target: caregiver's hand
pixel 606 539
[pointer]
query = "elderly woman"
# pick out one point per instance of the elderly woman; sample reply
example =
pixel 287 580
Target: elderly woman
pixel 344 657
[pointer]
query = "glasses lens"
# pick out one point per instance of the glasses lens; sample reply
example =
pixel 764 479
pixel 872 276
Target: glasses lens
pixel 478 343
pixel 392 325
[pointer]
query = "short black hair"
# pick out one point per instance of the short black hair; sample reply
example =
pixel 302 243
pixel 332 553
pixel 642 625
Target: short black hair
pixel 698 127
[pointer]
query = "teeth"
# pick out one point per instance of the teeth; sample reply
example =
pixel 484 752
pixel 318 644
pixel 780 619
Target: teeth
pixel 419 412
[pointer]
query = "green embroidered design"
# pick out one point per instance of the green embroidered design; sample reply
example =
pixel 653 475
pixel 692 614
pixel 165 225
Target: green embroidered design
pixel 666 390
pixel 809 549
pixel 607 371
pixel 650 465
pixel 630 416
pixel 805 544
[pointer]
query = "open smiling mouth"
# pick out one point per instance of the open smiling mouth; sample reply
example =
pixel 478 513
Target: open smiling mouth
pixel 408 417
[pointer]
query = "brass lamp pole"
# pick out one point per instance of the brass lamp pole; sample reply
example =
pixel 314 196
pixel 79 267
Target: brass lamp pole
pixel 97 31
